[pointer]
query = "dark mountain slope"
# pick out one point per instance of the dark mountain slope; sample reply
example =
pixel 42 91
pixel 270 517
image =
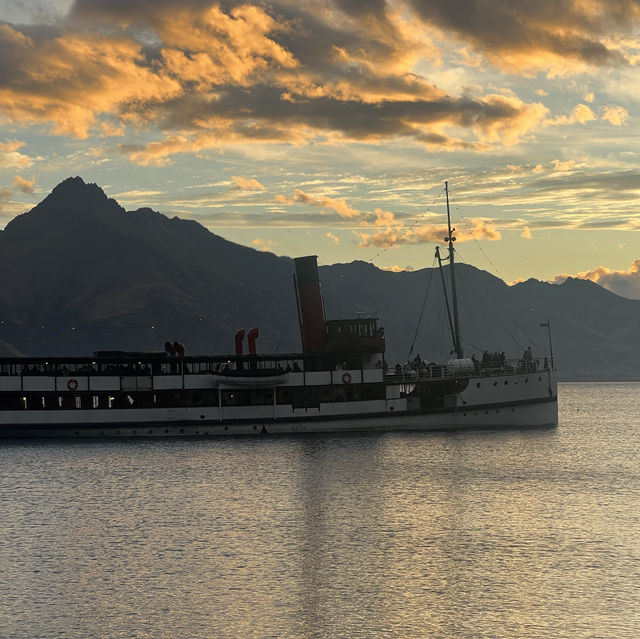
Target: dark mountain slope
pixel 78 273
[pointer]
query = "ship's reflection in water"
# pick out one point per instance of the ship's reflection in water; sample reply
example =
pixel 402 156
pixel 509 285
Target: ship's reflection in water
pixel 480 534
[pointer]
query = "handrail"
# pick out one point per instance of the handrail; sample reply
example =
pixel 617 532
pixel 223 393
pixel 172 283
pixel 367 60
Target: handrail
pixel 411 374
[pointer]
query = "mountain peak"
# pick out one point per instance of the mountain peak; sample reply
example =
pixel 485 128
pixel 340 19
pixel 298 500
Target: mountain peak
pixel 75 198
pixel 74 190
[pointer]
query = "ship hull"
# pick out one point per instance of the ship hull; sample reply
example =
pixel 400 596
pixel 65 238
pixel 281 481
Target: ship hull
pixel 496 402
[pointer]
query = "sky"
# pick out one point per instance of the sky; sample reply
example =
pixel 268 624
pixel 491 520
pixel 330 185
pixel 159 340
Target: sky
pixel 329 127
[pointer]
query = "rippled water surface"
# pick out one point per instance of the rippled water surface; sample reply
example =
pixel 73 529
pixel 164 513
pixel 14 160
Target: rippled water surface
pixel 527 533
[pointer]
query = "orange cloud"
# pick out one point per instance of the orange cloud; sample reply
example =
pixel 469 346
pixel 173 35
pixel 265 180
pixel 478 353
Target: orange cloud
pixel 250 184
pixel 580 115
pixel 396 269
pixel 616 115
pixel 334 239
pixel 339 206
pixel 263 245
pixel 622 282
pixel 69 80
pixel 9 156
pixel 26 186
pixel 395 233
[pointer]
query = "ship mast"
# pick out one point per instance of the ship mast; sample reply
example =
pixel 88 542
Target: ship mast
pixel 457 346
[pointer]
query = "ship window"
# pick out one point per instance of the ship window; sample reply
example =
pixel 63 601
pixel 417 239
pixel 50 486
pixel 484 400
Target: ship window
pixel 95 401
pixel 495 383
pixel 506 381
pixel 130 400
pixel 78 401
pixel 526 380
pixel 478 385
pixel 111 400
pixel 24 403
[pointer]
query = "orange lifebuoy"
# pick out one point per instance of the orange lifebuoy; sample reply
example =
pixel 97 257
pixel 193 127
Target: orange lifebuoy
pixel 346 378
pixel 72 384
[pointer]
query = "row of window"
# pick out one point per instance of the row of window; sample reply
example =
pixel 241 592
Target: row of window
pixel 304 397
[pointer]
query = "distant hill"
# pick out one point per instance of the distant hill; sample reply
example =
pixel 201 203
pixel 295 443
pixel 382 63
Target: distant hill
pixel 78 274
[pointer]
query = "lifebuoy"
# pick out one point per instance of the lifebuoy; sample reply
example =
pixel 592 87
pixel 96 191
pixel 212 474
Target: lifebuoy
pixel 72 384
pixel 346 378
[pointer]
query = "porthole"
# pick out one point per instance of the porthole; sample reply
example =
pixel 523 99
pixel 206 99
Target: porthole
pixel 506 381
pixel 201 416
pixel 478 385
pixel 226 428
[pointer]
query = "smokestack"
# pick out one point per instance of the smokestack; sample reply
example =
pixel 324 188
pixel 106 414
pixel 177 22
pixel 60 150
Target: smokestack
pixel 238 337
pixel 310 304
pixel 252 335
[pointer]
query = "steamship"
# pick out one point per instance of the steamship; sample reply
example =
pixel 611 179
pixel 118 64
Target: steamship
pixel 338 382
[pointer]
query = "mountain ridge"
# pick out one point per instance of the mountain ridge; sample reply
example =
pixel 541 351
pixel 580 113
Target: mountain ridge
pixel 79 273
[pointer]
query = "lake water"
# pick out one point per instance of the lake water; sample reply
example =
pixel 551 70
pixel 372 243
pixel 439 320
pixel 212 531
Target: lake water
pixel 496 534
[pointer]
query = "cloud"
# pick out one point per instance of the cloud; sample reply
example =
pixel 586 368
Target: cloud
pixel 333 239
pixel 10 158
pixel 203 77
pixel 322 202
pixel 581 114
pixel 397 269
pixel 263 245
pixel 616 115
pixel 395 233
pixel 250 184
pixel 68 80
pixel 622 282
pixel 559 36
pixel 26 186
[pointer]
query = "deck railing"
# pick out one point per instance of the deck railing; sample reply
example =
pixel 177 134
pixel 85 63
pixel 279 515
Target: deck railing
pixel 410 372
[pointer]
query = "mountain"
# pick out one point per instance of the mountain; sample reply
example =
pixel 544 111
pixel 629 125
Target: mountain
pixel 78 274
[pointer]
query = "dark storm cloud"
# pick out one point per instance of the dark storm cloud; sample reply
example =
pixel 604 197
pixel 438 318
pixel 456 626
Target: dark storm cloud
pixel 559 27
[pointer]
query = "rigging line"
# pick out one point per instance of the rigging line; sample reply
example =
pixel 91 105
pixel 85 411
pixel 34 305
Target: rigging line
pixel 509 316
pixel 424 304
pixel 408 228
pixel 475 239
